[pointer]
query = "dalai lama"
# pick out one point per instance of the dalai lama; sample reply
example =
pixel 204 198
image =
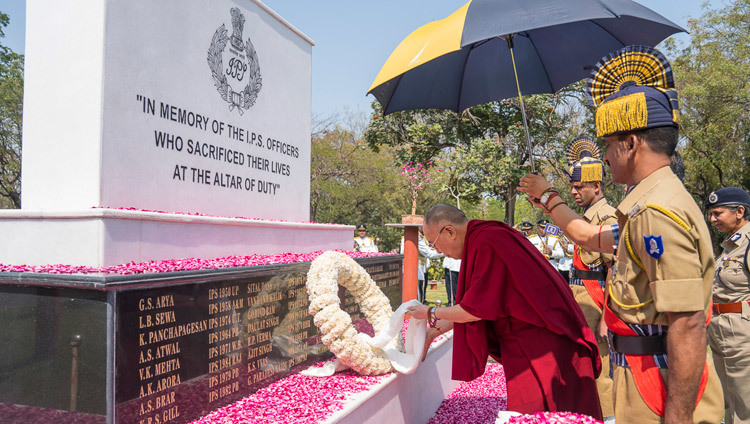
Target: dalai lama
pixel 514 306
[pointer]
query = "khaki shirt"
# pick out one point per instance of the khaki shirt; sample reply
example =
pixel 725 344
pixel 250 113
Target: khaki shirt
pixel 599 213
pixel 681 279
pixel 731 280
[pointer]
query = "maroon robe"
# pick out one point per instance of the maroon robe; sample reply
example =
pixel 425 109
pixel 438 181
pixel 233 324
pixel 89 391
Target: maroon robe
pixel 530 323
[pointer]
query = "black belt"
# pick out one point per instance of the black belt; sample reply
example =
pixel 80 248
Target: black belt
pixel 587 275
pixel 639 345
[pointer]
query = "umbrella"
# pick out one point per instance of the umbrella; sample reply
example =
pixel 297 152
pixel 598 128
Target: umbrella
pixel 476 54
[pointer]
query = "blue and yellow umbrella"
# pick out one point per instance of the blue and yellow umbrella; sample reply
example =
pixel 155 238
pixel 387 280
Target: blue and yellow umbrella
pixel 496 49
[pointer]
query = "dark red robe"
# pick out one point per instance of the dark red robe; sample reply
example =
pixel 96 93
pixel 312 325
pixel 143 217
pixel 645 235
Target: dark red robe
pixel 530 323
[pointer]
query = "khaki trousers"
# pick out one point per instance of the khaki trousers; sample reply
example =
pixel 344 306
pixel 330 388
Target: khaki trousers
pixel 729 338
pixel 631 409
pixel 593 314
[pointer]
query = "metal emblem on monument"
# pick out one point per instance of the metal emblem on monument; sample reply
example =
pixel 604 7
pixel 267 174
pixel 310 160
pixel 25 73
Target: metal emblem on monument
pixel 239 82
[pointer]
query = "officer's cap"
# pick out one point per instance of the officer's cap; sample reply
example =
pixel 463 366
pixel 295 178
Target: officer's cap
pixel 584 161
pixel 728 196
pixel 525 226
pixel 361 227
pixel 633 89
pixel 542 223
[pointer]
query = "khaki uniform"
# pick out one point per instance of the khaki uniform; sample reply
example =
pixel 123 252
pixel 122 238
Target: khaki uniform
pixel 729 333
pixel 680 280
pixel 599 213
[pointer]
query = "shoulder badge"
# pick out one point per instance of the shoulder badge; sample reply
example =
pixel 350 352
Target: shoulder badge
pixel 634 211
pixel 654 246
pixel 735 237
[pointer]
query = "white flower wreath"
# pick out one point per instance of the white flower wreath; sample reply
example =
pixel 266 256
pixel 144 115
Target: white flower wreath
pixel 326 272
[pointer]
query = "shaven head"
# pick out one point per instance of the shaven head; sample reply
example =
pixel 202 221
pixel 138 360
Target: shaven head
pixel 443 213
pixel 445 230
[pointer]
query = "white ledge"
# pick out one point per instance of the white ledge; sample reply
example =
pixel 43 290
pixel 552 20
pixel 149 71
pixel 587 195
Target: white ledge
pixel 162 217
pixel 101 237
pixel 402 398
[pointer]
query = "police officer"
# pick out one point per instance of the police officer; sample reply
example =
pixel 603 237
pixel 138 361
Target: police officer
pixel 362 243
pixel 660 295
pixel 589 269
pixel 525 227
pixel 548 244
pixel 729 332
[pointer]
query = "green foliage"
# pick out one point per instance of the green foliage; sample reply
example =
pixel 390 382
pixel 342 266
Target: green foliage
pixel 352 184
pixel 11 111
pixel 436 270
pixel 416 136
pixel 484 150
pixel 713 80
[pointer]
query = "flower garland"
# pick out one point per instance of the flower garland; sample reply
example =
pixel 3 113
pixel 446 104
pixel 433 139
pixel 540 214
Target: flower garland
pixel 326 272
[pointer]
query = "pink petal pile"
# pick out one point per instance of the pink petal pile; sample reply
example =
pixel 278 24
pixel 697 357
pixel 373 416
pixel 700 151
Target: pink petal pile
pixel 477 401
pixel 295 399
pixel 554 418
pixel 174 265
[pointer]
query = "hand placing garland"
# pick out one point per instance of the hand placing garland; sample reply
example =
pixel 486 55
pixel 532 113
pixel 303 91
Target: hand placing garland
pixel 326 272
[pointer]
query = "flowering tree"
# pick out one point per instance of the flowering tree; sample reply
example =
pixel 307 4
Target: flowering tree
pixel 417 176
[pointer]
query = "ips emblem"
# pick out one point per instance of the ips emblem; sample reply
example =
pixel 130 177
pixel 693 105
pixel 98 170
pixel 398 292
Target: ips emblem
pixel 239 81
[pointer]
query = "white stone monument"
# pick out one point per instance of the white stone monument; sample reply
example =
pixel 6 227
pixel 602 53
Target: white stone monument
pixel 189 119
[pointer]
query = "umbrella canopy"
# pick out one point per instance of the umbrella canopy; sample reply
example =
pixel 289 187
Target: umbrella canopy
pixel 465 59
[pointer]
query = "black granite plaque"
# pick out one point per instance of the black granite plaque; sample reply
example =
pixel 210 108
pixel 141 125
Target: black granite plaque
pixel 181 345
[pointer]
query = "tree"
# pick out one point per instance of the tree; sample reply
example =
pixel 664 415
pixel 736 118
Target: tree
pixel 11 113
pixel 484 149
pixel 713 80
pixel 352 184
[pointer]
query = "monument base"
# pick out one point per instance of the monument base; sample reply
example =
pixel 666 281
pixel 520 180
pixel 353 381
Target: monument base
pixel 158 348
pixel 400 398
pixel 100 237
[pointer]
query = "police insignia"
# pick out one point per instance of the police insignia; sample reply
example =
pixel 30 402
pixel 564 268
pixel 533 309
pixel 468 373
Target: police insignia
pixel 735 237
pixel 242 66
pixel 713 198
pixel 654 246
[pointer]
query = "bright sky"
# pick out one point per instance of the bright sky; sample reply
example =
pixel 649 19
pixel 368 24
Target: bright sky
pixel 353 38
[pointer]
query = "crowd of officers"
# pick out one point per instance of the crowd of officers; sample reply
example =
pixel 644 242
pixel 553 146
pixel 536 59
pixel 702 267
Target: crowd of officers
pixel 728 329
pixel 645 274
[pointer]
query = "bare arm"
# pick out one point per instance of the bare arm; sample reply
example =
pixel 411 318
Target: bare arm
pixel 686 349
pixel 446 317
pixel 590 237
pixel 452 313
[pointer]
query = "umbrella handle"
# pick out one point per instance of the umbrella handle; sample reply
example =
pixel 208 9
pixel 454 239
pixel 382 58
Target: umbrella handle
pixel 523 107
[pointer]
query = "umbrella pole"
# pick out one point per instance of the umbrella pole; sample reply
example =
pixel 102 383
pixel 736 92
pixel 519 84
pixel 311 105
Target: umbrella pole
pixel 523 108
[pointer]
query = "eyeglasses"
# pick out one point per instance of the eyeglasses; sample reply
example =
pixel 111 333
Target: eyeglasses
pixel 432 245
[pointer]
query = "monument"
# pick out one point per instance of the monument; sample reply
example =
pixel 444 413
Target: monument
pixel 132 109
pixel 156 131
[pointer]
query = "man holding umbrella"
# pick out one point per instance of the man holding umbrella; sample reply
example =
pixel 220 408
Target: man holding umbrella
pixel 659 299
pixel 589 270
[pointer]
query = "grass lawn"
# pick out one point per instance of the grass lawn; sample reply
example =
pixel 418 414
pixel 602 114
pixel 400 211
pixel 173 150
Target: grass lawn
pixel 438 292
